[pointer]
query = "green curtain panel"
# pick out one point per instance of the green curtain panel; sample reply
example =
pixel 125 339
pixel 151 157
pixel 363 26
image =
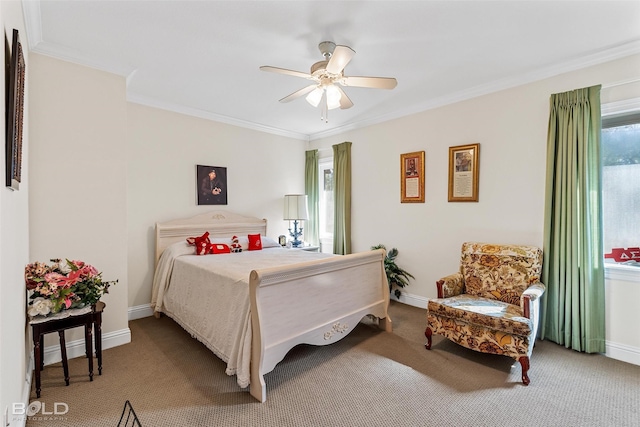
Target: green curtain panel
pixel 573 271
pixel 342 195
pixel 311 189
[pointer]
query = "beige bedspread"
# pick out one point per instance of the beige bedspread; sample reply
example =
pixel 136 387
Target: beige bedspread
pixel 208 295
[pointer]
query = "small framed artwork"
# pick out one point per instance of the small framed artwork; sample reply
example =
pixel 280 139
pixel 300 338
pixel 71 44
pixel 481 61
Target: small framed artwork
pixel 14 112
pixel 211 185
pixel 464 165
pixel 412 177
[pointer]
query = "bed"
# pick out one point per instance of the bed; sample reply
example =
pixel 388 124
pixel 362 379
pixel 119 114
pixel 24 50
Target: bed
pixel 251 308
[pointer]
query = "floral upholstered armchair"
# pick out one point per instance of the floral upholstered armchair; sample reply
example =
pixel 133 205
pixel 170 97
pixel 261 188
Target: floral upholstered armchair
pixel 492 304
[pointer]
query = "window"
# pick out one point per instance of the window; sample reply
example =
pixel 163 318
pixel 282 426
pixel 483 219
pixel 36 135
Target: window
pixel 325 204
pixel 620 151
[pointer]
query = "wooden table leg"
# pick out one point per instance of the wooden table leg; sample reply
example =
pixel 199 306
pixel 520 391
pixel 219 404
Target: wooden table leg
pixel 37 353
pixel 86 341
pixel 63 350
pixel 89 343
pixel 98 337
pixel 42 352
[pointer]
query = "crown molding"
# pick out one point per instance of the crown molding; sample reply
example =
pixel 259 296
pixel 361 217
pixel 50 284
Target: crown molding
pixel 195 112
pixel 31 10
pixel 70 55
pixel 599 57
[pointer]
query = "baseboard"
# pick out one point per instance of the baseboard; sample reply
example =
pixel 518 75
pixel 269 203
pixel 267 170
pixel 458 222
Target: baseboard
pixel 110 339
pixel 76 348
pixel 412 300
pixel 140 311
pixel 623 353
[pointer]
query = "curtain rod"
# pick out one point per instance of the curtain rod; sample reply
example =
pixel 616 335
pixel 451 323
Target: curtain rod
pixel 620 83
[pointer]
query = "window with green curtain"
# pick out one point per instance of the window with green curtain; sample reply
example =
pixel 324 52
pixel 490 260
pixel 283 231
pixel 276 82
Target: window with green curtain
pixel 311 190
pixel 573 272
pixel 342 201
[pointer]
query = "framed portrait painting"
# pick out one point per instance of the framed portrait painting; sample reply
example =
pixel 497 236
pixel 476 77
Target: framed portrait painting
pixel 464 164
pixel 211 185
pixel 412 177
pixel 15 66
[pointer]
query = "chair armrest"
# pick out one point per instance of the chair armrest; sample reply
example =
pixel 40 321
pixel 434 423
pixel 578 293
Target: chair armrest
pixel 532 293
pixel 450 286
pixel 535 291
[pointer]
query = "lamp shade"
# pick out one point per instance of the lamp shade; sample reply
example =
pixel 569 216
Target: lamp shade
pixel 295 207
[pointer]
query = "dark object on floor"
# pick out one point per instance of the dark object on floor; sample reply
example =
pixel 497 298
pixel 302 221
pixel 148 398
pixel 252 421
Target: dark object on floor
pixel 128 417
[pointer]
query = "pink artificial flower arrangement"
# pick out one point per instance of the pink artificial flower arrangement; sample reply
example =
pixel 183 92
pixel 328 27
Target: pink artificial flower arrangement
pixel 63 285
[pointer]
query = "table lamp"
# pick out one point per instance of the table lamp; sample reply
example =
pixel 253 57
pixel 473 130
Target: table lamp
pixel 295 209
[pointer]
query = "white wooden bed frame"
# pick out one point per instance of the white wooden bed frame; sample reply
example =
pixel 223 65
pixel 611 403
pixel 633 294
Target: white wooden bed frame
pixel 317 302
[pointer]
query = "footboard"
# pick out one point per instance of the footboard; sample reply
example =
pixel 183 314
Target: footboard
pixel 317 302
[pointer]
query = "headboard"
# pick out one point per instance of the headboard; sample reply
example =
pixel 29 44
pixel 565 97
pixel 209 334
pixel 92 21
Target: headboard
pixel 217 223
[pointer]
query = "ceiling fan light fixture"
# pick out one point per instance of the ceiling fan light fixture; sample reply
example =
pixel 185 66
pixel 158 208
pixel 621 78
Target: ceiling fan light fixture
pixel 314 97
pixel 333 97
pixel 327 75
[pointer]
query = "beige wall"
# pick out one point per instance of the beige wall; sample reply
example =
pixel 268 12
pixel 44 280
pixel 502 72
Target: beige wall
pixel 163 151
pixel 511 127
pixel 79 176
pixel 622 332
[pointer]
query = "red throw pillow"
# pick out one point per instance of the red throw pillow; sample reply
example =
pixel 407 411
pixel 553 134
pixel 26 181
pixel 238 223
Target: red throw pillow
pixel 220 248
pixel 255 242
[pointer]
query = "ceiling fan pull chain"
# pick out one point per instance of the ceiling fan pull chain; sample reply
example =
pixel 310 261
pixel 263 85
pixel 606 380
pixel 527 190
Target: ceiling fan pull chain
pixel 324 110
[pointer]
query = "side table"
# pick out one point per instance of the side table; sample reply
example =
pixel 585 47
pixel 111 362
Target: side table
pixel 90 319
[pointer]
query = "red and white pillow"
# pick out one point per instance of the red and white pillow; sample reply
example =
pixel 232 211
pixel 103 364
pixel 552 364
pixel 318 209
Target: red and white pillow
pixel 255 242
pixel 220 248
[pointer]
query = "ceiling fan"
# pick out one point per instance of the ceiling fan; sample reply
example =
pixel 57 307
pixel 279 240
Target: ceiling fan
pixel 327 76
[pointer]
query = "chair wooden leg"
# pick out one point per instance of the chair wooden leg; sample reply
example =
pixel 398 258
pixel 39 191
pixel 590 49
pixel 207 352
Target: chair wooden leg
pixel 427 333
pixel 524 362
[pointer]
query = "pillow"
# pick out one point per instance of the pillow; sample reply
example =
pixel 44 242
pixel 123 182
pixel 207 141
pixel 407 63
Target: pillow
pixel 268 242
pixel 255 242
pixel 223 240
pixel 220 248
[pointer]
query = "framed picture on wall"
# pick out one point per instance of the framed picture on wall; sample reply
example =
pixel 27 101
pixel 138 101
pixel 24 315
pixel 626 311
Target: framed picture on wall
pixel 211 185
pixel 464 165
pixel 412 177
pixel 15 67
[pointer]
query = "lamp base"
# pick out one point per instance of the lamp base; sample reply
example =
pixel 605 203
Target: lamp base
pixel 296 243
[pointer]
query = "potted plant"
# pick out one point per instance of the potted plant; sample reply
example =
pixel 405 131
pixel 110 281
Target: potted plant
pixel 396 276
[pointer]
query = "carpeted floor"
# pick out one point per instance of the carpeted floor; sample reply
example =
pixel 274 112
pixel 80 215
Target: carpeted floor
pixel 369 378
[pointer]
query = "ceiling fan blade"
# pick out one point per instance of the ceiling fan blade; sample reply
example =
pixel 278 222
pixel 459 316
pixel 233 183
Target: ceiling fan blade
pixel 298 93
pixel 285 71
pixel 371 82
pixel 339 59
pixel 345 102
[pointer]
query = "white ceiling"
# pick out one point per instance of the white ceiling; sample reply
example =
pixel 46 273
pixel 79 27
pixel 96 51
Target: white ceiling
pixel 202 57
